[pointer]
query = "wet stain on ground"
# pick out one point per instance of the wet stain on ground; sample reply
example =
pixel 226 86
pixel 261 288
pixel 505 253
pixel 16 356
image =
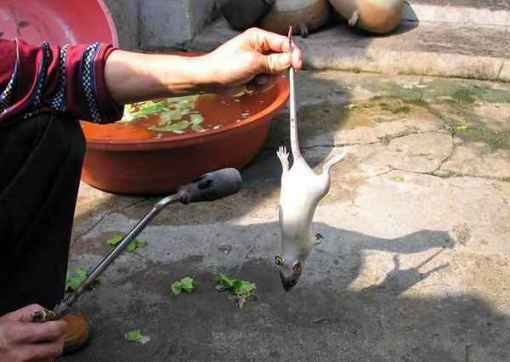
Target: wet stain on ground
pixel 457 104
pixel 327 117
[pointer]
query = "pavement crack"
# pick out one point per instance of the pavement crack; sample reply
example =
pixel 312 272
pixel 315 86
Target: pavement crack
pixel 383 140
pixel 339 145
pixel 451 174
pixel 447 158
pixel 390 170
pixel 435 171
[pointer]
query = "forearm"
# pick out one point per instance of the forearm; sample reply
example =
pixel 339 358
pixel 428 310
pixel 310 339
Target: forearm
pixel 133 77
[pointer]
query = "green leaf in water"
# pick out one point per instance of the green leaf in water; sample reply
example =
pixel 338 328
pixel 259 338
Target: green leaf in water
pixel 170 116
pixel 178 127
pixel 196 119
pixel 150 107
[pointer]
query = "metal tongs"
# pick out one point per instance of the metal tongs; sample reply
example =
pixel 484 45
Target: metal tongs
pixel 209 187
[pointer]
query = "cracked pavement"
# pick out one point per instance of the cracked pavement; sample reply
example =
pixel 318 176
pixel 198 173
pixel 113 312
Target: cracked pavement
pixel 414 260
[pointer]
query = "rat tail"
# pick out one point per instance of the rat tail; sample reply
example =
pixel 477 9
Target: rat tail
pixel 294 137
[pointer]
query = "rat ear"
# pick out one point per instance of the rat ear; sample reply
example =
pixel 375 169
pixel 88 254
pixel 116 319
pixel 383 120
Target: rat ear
pixel 278 260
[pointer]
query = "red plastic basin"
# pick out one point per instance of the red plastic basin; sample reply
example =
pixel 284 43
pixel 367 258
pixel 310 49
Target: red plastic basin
pixel 57 21
pixel 127 158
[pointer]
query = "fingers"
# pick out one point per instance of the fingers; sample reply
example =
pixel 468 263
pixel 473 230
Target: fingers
pixel 267 43
pixel 42 351
pixel 39 332
pixel 24 314
pixel 297 58
pixel 276 63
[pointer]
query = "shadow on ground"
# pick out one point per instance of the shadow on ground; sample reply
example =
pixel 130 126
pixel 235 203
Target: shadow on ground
pixel 323 319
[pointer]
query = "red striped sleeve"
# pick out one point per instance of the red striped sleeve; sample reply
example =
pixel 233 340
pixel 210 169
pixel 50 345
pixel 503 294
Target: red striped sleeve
pixel 68 79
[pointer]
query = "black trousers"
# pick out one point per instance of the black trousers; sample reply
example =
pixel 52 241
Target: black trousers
pixel 40 166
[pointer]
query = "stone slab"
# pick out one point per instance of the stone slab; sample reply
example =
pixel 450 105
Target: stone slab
pixel 460 12
pixel 427 49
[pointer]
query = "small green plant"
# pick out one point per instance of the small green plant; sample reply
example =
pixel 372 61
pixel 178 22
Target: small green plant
pixel 74 279
pixel 136 336
pixel 240 290
pixel 133 245
pixel 185 285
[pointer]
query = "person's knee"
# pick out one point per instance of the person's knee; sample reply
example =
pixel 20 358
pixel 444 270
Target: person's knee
pixel 380 17
pixel 375 16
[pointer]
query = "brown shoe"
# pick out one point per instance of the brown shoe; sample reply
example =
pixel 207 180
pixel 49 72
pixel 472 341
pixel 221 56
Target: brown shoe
pixel 77 332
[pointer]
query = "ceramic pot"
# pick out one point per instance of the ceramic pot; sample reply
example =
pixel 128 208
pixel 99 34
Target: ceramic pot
pixel 304 15
pixel 375 16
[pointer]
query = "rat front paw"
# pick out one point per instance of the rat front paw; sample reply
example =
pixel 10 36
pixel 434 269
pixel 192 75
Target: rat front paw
pixel 283 155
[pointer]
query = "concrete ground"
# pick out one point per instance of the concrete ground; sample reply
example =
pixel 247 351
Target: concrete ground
pixel 414 264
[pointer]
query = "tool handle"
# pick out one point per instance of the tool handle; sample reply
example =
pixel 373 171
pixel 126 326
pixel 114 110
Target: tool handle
pixel 211 186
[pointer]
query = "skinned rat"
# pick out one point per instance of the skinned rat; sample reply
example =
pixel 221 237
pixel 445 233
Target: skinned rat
pixel 301 191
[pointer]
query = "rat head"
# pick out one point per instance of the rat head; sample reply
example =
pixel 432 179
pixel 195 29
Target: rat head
pixel 290 270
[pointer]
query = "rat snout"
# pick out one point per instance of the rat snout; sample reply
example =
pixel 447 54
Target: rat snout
pixel 290 281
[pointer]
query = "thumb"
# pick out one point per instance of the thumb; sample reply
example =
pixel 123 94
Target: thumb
pixel 277 62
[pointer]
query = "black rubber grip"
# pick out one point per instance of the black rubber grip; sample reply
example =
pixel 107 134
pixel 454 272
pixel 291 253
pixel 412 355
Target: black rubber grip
pixel 211 186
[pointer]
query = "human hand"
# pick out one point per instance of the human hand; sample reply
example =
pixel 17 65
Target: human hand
pixel 250 54
pixel 23 340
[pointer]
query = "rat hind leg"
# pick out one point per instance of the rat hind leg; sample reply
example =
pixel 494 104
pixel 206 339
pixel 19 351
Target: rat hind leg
pixel 332 161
